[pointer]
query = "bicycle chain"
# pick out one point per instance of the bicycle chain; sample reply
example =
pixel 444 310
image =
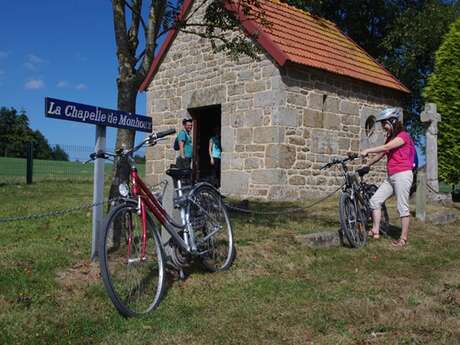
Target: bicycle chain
pixel 287 210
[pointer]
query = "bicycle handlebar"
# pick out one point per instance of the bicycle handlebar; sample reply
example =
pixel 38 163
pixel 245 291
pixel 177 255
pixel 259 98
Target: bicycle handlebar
pixel 165 133
pixel 151 139
pixel 335 161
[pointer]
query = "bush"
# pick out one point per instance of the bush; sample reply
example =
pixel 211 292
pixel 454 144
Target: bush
pixel 443 88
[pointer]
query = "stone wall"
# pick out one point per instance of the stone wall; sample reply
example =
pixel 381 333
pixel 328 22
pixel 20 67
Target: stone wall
pixel 330 112
pixel 278 125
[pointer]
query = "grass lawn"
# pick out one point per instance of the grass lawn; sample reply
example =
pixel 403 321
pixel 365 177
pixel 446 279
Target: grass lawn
pixel 277 292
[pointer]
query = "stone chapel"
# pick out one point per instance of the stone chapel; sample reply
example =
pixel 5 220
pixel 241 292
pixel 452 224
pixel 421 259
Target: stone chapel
pixel 313 95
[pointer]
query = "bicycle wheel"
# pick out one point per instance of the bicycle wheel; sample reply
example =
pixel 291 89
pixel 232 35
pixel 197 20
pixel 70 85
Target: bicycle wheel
pixel 213 231
pixel 133 281
pixel 352 221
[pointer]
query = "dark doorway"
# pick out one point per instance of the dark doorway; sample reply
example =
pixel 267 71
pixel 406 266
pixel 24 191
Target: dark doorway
pixel 206 120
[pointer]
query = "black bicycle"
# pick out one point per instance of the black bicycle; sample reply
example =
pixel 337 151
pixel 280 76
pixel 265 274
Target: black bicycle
pixel 355 212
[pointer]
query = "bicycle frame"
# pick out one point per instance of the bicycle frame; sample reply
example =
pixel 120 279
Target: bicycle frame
pixel 146 200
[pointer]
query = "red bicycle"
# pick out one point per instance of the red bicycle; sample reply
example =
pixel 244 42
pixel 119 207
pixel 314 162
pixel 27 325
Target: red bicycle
pixel 132 255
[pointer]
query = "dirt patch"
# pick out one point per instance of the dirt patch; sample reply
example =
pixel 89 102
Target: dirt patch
pixel 75 280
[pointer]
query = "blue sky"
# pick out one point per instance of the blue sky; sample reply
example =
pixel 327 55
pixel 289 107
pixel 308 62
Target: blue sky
pixel 62 49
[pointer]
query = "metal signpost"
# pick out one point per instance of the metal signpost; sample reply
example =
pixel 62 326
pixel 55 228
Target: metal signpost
pixel 101 117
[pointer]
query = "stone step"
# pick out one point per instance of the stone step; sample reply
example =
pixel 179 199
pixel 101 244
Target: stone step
pixel 324 239
pixel 442 217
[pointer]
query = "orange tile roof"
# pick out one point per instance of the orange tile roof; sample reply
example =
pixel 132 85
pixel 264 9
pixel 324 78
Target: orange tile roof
pixel 297 36
pixel 316 42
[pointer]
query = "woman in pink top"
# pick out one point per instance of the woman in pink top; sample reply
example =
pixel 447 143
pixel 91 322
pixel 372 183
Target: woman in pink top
pixel 400 152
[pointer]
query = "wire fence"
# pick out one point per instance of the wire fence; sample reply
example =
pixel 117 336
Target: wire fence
pixel 69 165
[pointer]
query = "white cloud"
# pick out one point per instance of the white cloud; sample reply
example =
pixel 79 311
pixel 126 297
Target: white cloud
pixel 35 59
pixel 34 84
pixel 63 84
pixel 81 87
pixel 33 62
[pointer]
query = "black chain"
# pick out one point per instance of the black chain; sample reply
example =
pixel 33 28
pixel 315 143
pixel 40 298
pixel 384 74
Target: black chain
pixel 85 206
pixel 286 210
pixel 441 195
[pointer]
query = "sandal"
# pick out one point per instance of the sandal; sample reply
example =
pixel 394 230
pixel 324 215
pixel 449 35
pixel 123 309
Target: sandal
pixel 401 243
pixel 373 235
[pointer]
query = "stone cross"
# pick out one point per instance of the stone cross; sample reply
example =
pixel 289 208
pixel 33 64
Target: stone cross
pixel 430 115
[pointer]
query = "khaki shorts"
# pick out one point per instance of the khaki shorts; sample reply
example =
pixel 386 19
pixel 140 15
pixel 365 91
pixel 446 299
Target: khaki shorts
pixel 399 184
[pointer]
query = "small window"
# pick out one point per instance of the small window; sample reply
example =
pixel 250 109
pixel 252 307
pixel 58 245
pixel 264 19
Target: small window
pixel 370 126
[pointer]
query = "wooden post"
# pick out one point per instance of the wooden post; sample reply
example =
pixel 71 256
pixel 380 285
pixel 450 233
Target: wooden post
pixel 420 197
pixel 30 161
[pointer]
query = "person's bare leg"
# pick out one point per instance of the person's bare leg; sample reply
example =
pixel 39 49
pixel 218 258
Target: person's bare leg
pixel 376 216
pixel 404 227
pixel 404 232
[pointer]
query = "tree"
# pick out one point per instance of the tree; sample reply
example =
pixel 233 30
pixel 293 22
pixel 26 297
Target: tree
pixel 42 149
pixel 411 45
pixel 15 133
pixel 58 154
pixel 367 22
pixel 135 54
pixel 402 35
pixel 444 89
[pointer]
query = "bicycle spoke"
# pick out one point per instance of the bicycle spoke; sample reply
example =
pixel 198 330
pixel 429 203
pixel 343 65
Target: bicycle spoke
pixel 134 282
pixel 212 229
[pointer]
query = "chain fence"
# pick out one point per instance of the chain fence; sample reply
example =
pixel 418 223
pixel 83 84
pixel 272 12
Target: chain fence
pixel 286 210
pixel 85 206
pixel 49 214
pixel 443 198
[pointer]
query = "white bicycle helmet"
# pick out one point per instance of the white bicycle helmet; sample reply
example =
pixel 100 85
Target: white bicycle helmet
pixel 389 113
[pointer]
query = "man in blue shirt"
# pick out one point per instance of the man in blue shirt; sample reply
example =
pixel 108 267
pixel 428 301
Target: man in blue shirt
pixel 184 140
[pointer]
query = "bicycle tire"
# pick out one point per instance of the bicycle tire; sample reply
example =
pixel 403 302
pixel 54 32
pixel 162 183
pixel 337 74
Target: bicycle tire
pixel 135 284
pixel 352 221
pixel 207 214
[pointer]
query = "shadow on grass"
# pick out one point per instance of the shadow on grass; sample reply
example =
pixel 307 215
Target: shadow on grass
pixel 276 214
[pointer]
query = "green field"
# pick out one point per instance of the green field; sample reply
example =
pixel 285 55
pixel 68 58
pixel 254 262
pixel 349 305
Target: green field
pixel 14 170
pixel 278 291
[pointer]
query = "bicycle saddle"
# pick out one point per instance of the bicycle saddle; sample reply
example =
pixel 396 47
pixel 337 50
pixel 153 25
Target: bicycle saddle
pixel 178 174
pixel 363 171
